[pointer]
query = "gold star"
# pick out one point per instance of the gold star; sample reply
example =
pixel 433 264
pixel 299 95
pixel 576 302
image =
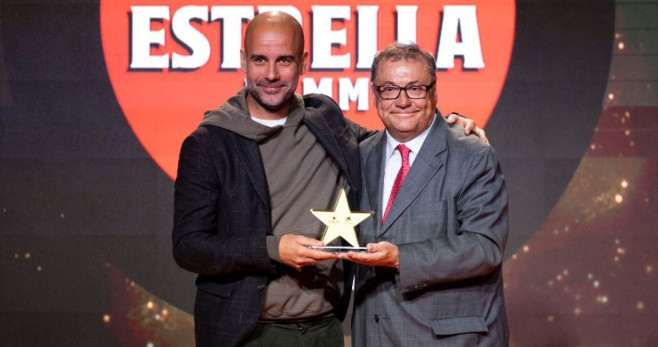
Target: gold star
pixel 341 221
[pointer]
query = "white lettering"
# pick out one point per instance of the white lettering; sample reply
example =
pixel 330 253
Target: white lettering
pixel 357 92
pixel 232 17
pixel 324 38
pixel 464 20
pixel 406 24
pixel 324 87
pixel 367 36
pixel 142 37
pixel 191 37
pixel 458 36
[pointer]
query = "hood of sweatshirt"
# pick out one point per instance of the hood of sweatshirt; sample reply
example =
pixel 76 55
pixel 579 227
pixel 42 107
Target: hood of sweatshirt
pixel 234 116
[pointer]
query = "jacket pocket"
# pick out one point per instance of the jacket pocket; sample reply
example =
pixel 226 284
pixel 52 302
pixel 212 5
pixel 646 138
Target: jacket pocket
pixel 217 289
pixel 458 325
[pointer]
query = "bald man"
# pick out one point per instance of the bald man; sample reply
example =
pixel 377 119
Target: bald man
pixel 247 178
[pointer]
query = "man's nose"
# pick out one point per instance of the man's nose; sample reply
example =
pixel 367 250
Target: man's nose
pixel 403 100
pixel 272 72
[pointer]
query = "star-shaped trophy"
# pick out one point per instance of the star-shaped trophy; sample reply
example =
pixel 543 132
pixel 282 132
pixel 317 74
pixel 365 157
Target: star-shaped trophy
pixel 340 223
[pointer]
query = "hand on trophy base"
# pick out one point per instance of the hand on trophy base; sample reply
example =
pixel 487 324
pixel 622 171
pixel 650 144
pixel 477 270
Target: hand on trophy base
pixel 339 249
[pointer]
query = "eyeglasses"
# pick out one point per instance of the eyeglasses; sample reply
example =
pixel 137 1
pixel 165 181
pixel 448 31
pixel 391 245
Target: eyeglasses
pixel 392 92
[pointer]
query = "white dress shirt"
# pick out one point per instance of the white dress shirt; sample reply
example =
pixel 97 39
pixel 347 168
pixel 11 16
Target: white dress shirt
pixel 393 160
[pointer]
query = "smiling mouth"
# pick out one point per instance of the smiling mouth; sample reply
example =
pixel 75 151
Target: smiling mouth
pixel 271 89
pixel 403 114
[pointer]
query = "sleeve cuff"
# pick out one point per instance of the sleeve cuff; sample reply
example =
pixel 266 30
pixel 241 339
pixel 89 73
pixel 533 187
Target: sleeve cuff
pixel 272 243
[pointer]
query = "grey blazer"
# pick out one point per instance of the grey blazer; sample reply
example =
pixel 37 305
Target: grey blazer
pixel 449 221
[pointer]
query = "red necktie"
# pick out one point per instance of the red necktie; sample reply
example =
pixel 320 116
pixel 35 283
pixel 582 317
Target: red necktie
pixel 404 151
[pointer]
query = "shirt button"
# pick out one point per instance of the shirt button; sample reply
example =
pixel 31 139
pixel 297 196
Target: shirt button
pixel 261 286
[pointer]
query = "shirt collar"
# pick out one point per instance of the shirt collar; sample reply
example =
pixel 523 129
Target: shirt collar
pixel 414 144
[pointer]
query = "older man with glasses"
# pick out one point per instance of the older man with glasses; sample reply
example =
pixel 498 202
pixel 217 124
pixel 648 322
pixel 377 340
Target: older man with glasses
pixel 432 274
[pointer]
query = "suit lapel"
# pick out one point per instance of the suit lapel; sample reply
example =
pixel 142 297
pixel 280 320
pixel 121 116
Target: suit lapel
pixel 249 152
pixel 373 175
pixel 429 162
pixel 319 127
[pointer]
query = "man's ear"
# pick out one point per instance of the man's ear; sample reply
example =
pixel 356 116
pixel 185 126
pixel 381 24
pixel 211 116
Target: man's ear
pixel 243 61
pixel 373 91
pixel 304 62
pixel 436 95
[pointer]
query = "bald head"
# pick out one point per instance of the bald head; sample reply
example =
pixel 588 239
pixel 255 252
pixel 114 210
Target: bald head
pixel 267 22
pixel 273 58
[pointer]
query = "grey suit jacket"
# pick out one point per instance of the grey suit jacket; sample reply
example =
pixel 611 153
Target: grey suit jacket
pixel 449 221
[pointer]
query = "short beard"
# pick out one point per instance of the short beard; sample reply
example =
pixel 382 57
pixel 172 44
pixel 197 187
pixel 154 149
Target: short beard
pixel 251 88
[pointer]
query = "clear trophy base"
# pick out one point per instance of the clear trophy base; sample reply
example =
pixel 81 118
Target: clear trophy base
pixel 339 249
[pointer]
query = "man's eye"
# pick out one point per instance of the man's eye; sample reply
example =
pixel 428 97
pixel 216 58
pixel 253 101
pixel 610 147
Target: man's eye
pixel 414 89
pixel 387 89
pixel 286 61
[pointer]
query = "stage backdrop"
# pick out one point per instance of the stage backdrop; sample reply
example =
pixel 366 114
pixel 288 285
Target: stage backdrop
pixel 97 96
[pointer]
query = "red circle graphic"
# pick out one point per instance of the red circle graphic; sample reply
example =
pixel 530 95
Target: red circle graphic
pixel 164 104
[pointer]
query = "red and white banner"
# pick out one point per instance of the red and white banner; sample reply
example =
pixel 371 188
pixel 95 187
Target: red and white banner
pixel 169 61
